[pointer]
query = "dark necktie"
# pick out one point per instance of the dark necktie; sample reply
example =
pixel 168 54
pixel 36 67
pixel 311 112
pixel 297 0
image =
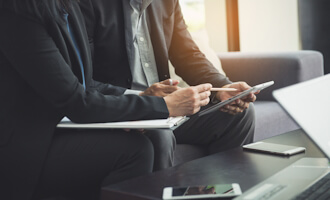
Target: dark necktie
pixel 77 50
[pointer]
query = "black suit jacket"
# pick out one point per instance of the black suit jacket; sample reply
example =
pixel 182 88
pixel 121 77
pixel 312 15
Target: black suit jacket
pixel 39 85
pixel 170 39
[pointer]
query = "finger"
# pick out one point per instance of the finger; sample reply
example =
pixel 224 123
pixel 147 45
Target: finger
pixel 235 109
pixel 203 87
pixel 170 82
pixel 244 85
pixel 242 104
pixel 169 89
pixel 239 109
pixel 250 98
pixel 204 102
pixel 175 82
pixel 226 110
pixel 204 95
pixel 167 82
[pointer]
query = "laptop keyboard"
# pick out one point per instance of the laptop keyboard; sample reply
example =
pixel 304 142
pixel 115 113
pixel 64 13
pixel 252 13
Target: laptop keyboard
pixel 320 190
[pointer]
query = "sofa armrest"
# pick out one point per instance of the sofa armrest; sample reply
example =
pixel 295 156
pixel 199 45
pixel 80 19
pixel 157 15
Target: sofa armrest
pixel 284 68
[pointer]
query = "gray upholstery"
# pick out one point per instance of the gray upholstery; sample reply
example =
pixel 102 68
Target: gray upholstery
pixel 285 68
pixel 271 120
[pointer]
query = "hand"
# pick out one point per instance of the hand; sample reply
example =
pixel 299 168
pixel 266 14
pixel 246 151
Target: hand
pixel 239 105
pixel 161 89
pixel 188 101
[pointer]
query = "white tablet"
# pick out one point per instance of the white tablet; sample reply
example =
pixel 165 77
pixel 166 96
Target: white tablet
pixel 202 192
pixel 272 148
pixel 238 96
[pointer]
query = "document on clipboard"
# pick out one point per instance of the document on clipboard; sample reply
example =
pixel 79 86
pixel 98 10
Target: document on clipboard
pixel 238 96
pixel 169 123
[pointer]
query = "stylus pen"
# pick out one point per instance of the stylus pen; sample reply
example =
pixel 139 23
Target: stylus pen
pixel 223 89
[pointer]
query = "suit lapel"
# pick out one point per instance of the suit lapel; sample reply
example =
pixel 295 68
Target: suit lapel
pixel 155 16
pixel 127 27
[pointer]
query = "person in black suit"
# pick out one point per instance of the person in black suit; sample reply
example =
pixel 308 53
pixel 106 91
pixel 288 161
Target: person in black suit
pixel 46 74
pixel 132 42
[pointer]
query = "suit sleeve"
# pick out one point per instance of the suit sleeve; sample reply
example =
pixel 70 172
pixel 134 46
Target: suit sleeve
pixel 106 88
pixel 32 52
pixel 189 62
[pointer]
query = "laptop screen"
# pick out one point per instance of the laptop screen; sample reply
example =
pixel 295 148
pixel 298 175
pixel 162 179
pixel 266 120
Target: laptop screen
pixel 308 103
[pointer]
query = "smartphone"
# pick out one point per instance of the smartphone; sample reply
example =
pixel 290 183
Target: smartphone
pixel 238 96
pixel 274 148
pixel 202 191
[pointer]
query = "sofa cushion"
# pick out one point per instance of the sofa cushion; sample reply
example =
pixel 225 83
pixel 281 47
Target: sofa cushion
pixel 271 120
pixel 285 68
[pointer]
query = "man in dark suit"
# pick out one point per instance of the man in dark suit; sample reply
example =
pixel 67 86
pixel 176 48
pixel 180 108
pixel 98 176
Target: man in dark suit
pixel 132 42
pixel 46 74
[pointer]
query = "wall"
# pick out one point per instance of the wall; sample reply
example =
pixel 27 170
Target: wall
pixel 268 25
pixel 215 16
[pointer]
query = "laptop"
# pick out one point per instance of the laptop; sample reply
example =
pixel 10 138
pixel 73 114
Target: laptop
pixel 308 103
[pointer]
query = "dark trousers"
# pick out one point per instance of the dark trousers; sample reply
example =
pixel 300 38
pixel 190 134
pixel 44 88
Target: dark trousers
pixel 80 162
pixel 164 143
pixel 216 132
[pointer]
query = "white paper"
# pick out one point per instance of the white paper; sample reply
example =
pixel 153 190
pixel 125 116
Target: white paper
pixel 141 124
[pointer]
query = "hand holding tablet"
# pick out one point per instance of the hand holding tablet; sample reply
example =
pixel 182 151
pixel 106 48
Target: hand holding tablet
pixel 238 96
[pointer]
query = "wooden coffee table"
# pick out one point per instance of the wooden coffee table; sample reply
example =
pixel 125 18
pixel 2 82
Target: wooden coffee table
pixel 233 166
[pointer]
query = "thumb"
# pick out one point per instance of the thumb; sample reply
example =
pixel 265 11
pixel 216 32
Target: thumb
pixel 203 87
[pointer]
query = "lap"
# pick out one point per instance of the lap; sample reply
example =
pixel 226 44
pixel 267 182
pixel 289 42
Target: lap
pixel 216 126
pixel 79 159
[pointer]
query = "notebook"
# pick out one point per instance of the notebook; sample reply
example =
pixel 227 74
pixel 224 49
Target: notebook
pixel 168 123
pixel 308 103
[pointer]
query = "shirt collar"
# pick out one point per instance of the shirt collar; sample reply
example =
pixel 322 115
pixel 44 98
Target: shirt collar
pixel 140 5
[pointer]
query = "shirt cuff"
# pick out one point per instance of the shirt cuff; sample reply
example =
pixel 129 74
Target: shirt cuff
pixel 136 92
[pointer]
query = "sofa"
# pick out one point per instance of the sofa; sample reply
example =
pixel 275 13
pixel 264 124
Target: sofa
pixel 284 68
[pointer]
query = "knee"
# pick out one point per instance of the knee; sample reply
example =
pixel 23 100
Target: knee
pixel 162 139
pixel 249 123
pixel 250 113
pixel 145 150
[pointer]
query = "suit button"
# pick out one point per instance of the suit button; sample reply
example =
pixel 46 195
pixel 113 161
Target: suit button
pixel 129 81
pixel 166 76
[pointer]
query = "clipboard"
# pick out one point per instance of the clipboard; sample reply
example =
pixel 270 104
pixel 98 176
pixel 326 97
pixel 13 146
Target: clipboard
pixel 238 96
pixel 169 123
